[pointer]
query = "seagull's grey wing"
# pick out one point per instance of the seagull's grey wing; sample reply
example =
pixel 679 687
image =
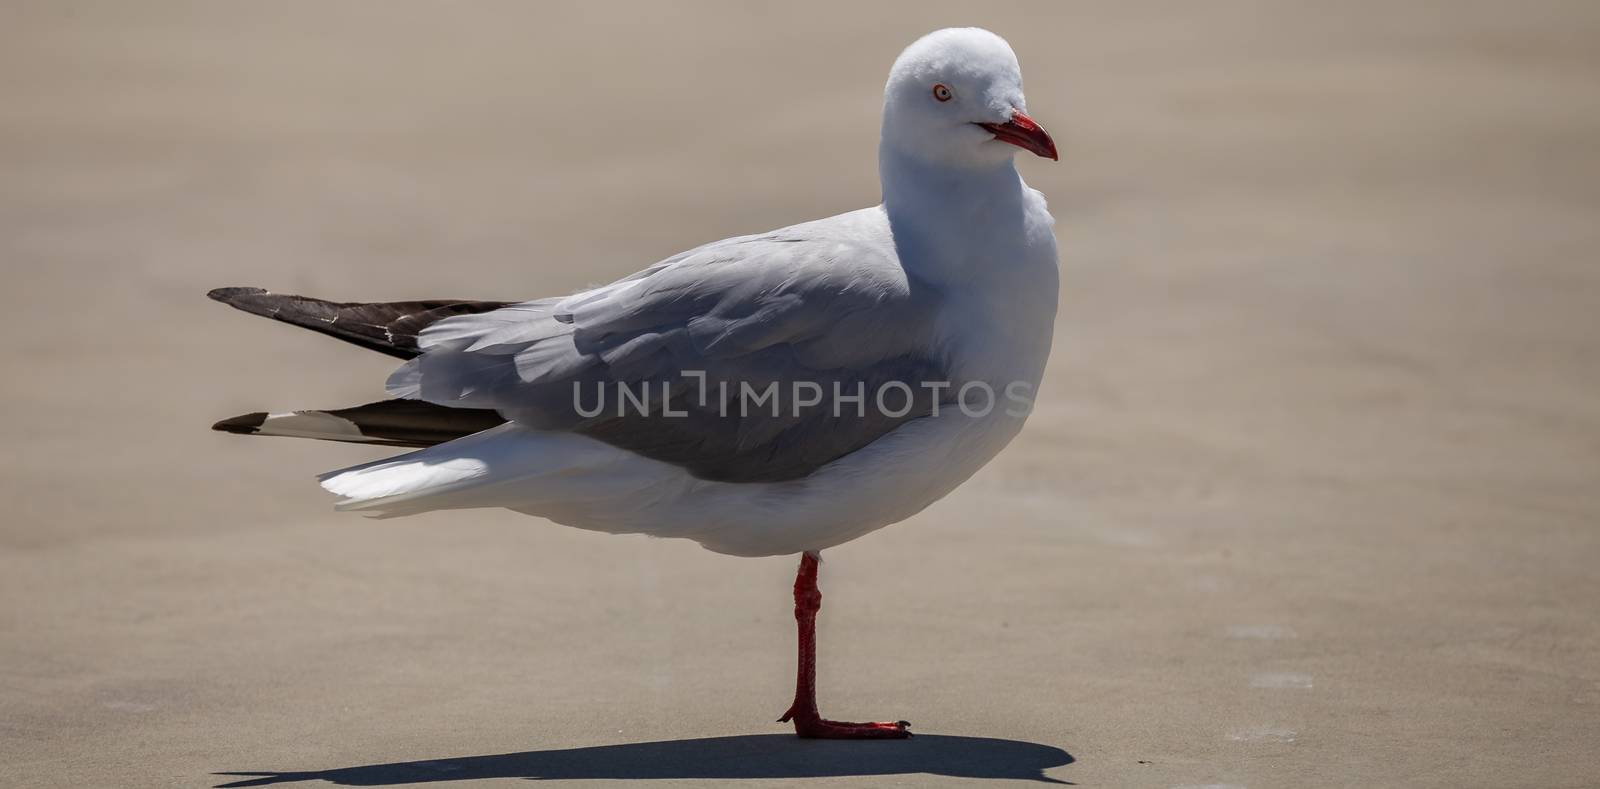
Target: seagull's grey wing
pixel 699 338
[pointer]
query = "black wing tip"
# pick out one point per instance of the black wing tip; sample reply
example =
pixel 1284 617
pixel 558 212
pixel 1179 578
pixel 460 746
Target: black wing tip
pixel 230 295
pixel 256 301
pixel 244 425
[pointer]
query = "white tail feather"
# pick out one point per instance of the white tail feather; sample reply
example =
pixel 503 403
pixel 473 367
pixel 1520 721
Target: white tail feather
pixel 506 466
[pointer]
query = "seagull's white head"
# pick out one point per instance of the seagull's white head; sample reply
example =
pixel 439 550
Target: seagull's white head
pixel 955 97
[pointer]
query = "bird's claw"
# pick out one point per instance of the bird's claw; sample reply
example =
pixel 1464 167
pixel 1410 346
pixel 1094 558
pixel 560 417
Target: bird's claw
pixel 816 727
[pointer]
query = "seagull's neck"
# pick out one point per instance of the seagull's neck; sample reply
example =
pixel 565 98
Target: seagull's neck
pixel 943 216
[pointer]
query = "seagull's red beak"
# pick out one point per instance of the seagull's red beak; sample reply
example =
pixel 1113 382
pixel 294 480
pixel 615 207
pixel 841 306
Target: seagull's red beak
pixel 1022 132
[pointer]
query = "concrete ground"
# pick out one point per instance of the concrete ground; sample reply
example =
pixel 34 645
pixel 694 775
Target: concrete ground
pixel 1312 497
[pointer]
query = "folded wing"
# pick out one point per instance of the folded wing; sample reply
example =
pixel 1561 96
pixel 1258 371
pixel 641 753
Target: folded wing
pixel 677 357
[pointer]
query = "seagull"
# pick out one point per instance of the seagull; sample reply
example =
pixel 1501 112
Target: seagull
pixel 764 395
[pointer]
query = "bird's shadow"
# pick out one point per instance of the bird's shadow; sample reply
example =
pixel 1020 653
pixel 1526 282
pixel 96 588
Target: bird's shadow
pixel 749 756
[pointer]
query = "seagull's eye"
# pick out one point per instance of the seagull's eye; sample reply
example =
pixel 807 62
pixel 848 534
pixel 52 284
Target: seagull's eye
pixel 942 93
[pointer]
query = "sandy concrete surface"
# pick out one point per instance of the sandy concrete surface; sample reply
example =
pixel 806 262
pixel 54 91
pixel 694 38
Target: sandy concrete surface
pixel 1311 498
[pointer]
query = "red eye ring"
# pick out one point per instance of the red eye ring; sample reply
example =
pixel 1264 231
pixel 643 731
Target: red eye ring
pixel 942 93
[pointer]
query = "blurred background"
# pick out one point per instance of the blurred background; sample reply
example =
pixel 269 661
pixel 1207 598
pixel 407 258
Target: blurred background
pixel 1311 497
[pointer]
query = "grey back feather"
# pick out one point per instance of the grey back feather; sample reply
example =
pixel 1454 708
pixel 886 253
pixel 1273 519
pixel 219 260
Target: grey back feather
pixel 826 303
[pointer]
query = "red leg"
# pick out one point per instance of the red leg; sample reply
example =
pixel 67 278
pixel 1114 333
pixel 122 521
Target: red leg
pixel 807 721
